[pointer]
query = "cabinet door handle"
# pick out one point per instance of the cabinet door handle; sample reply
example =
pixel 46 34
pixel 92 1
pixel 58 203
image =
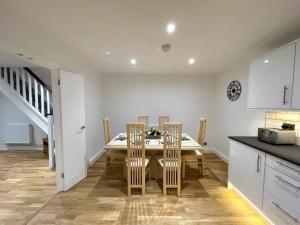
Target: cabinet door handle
pixel 287 183
pixel 258 164
pixel 286 213
pixel 285 88
pixel 288 167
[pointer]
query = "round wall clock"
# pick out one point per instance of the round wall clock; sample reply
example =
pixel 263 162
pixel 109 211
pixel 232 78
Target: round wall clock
pixel 234 90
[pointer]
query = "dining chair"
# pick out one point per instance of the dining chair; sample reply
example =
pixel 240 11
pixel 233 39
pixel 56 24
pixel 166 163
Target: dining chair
pixel 170 162
pixel 137 164
pixel 196 156
pixel 111 154
pixel 162 120
pixel 145 120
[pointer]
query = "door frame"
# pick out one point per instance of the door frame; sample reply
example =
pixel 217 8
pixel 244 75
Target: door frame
pixel 12 49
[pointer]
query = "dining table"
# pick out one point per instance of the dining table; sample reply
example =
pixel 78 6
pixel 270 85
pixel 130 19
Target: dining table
pixel 187 144
pixel 153 147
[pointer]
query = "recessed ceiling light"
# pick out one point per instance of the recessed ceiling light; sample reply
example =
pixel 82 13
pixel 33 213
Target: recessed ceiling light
pixel 266 61
pixel 19 54
pixel 133 61
pixel 30 58
pixel 107 53
pixel 191 61
pixel 171 27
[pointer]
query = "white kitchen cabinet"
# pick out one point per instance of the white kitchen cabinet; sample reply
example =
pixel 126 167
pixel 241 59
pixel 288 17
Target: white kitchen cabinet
pixel 296 88
pixel 246 171
pixel 271 80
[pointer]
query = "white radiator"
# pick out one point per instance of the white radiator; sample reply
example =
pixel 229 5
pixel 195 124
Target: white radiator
pixel 18 133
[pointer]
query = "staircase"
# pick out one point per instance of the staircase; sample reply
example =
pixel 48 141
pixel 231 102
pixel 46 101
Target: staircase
pixel 27 92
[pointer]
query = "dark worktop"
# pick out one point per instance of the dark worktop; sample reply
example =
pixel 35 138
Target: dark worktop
pixel 289 153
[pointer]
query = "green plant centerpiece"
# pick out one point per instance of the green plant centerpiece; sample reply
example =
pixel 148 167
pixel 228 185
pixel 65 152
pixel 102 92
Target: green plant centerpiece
pixel 153 133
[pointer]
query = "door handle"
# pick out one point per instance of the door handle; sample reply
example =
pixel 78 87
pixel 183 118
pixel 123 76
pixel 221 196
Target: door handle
pixel 82 127
pixel 285 212
pixel 285 88
pixel 258 164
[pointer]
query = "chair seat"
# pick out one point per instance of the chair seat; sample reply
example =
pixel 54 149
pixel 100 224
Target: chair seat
pixel 137 162
pixel 170 162
pixel 197 153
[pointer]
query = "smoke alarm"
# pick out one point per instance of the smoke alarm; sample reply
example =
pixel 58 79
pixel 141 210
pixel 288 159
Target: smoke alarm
pixel 165 47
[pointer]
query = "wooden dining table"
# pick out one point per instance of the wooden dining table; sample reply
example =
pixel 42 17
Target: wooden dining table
pixel 187 144
pixel 154 147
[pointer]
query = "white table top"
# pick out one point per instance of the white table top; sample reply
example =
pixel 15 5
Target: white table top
pixel 154 144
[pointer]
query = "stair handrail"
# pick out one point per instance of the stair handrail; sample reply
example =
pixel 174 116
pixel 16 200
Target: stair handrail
pixel 38 79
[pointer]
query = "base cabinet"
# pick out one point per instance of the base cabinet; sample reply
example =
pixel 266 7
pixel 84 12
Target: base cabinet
pixel 270 183
pixel 246 171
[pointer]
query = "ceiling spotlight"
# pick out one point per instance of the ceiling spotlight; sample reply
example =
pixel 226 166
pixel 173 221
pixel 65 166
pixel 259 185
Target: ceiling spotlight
pixel 171 27
pixel 266 61
pixel 19 54
pixel 133 61
pixel 191 61
pixel 107 53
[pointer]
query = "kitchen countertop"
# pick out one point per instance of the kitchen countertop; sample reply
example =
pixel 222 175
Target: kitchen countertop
pixel 289 153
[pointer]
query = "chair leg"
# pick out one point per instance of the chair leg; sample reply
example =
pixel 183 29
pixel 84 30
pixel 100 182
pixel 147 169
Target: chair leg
pixel 202 165
pixel 183 167
pixel 164 182
pixel 129 191
pixel 179 183
pixel 107 163
pixel 156 172
pixel 124 169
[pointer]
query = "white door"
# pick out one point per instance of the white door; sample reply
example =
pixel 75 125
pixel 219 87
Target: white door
pixel 246 171
pixel 296 88
pixel 271 80
pixel 72 128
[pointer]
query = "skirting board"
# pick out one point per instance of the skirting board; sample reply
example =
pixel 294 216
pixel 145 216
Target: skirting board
pixel 4 147
pixel 94 158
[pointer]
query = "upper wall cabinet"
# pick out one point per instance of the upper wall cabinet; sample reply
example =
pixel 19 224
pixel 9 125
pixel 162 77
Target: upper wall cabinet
pixel 296 89
pixel 271 80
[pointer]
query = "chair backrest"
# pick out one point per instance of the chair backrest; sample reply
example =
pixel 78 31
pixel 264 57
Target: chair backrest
pixel 145 120
pixel 162 120
pixel 172 152
pixel 136 153
pixel 202 129
pixel 106 130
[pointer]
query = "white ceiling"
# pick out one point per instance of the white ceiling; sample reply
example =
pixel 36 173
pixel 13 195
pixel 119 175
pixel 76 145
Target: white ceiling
pixel 7 60
pixel 217 33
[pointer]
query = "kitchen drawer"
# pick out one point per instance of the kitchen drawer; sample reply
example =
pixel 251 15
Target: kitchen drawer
pixel 283 187
pixel 279 213
pixel 284 167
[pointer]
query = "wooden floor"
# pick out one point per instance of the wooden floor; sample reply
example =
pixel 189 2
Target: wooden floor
pixel 26 185
pixel 101 199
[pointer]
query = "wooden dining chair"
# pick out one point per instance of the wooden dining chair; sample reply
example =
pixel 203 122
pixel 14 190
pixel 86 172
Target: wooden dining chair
pixel 196 156
pixel 145 120
pixel 137 164
pixel 162 120
pixel 170 162
pixel 111 154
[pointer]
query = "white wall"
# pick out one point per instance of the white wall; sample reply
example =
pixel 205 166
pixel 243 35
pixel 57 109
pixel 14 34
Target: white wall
pixel 233 118
pixel 184 98
pixel 9 113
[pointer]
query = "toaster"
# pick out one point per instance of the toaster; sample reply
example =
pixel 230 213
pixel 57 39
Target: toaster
pixel 277 136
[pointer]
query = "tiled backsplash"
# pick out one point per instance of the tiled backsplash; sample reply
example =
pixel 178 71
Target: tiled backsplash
pixel 275 120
